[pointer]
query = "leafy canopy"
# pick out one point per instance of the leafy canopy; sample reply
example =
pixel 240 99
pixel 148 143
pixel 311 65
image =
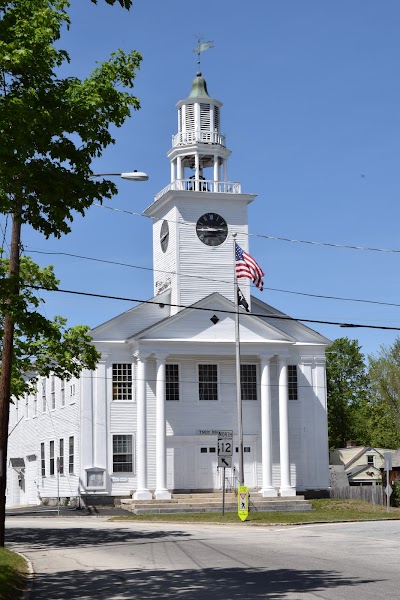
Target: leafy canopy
pixel 41 346
pixel 51 128
pixel 347 389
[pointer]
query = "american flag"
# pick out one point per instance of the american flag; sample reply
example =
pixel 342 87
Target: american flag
pixel 247 267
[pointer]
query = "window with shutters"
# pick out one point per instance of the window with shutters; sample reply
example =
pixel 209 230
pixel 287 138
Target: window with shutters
pixel 216 118
pixel 71 455
pixel 61 465
pixel 205 117
pixel 189 117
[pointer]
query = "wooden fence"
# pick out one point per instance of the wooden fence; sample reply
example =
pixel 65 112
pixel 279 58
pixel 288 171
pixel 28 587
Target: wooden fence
pixel 368 493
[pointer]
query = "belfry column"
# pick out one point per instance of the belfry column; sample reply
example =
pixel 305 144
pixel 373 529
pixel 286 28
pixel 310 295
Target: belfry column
pixel 161 492
pixel 266 428
pixel 286 489
pixel 142 493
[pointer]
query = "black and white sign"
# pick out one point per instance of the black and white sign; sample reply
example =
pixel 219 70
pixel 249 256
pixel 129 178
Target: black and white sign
pixel 225 443
pixel 225 462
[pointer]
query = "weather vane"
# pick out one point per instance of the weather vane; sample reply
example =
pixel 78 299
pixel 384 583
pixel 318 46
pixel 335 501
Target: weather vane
pixel 202 46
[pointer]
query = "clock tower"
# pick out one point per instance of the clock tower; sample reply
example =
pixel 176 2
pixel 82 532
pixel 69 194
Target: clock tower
pixel 197 213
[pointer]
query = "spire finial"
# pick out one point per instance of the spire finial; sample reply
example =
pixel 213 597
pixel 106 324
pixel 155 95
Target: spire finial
pixel 201 47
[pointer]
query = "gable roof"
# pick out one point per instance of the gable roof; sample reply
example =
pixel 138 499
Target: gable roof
pixel 126 324
pixel 253 328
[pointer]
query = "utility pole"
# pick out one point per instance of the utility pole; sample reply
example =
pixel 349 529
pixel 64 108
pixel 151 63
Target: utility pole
pixel 6 363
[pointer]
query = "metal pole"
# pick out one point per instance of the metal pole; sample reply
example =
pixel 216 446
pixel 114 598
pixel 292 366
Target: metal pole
pixel 237 354
pixel 223 493
pixel 387 491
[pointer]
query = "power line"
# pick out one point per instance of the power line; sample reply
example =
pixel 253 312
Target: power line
pixel 225 311
pixel 132 266
pixel 264 236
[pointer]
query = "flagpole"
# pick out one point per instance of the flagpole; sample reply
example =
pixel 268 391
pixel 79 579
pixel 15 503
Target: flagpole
pixel 237 354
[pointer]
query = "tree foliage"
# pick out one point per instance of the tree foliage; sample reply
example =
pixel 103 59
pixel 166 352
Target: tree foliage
pixel 347 389
pixel 124 3
pixel 41 346
pixel 383 411
pixel 51 127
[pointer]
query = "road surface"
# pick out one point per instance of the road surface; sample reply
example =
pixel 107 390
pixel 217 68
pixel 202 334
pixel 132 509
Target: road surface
pixel 90 558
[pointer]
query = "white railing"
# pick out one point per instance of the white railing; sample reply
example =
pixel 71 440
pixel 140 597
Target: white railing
pixel 206 137
pixel 201 185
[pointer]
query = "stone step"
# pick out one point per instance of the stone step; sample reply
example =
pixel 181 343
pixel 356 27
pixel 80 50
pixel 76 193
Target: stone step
pixel 214 509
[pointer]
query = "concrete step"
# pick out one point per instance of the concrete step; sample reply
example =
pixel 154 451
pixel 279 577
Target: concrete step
pixel 214 509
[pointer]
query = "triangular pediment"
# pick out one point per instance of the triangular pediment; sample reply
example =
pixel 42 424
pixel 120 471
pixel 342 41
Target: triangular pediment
pixel 196 323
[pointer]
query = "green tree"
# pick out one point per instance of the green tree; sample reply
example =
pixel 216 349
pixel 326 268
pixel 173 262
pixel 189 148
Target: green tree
pixel 51 128
pixel 382 414
pixel 347 390
pixel 41 346
pixel 124 3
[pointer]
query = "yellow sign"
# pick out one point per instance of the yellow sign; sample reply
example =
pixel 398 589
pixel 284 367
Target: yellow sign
pixel 243 502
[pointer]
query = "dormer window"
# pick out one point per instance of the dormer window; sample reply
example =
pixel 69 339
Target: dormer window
pixel 370 460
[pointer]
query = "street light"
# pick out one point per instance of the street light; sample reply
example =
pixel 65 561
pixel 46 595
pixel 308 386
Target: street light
pixel 133 176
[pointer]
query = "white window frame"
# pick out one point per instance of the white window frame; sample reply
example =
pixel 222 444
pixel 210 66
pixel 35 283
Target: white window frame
pixel 35 403
pixel 218 382
pixel 52 459
pixel 44 395
pixel 72 393
pixel 53 392
pixel 61 456
pixel 123 473
pixel 62 392
pixel 131 399
pixel 258 383
pixel 179 382
pixel 71 471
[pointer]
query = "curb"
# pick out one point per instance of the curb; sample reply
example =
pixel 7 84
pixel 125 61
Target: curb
pixel 29 578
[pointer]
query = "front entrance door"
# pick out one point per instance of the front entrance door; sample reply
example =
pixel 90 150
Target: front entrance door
pixel 208 467
pixel 31 480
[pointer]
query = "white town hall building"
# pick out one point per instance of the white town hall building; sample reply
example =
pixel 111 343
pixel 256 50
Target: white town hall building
pixel 144 423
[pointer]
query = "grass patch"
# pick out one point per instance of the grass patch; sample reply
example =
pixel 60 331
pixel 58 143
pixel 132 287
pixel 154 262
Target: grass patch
pixel 324 511
pixel 13 571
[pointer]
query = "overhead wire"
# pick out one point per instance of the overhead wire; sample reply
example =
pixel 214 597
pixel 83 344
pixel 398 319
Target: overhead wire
pixel 162 304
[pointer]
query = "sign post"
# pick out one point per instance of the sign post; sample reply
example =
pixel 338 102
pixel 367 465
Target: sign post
pixel 225 451
pixel 388 467
pixel 243 502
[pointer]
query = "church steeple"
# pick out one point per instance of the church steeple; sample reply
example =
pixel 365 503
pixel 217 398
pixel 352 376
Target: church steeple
pixel 197 213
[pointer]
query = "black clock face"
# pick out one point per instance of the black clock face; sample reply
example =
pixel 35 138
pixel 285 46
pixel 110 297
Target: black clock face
pixel 164 236
pixel 212 229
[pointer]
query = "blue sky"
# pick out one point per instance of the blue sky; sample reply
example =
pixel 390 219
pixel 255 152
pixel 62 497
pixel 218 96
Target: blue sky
pixel 311 110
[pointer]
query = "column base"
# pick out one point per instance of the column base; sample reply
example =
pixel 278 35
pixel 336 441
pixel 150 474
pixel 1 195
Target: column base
pixel 269 493
pixel 289 491
pixel 142 495
pixel 162 495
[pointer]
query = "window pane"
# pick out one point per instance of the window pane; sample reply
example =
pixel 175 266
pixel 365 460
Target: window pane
pixel 292 382
pixel 71 455
pixel 248 382
pixel 208 382
pixel 122 454
pixel 172 382
pixel 122 381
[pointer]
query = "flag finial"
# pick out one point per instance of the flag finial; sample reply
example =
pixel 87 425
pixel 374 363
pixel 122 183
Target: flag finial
pixel 202 46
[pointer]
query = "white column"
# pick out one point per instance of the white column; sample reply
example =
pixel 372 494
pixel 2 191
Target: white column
pixel 286 489
pixel 161 492
pixel 216 171
pixel 266 429
pixel 142 493
pixel 197 171
pixel 179 167
pixel 225 164
pixel 173 165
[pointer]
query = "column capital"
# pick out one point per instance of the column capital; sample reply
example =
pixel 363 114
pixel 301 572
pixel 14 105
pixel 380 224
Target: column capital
pixel 140 355
pixel 265 358
pixel 161 357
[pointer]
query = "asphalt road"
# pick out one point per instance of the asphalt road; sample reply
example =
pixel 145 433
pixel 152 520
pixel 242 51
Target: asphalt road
pixel 92 558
